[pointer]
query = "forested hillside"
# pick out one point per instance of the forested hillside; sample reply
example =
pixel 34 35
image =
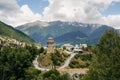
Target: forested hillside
pixel 8 31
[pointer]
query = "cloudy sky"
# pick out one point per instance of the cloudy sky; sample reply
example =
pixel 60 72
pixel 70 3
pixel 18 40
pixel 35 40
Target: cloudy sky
pixel 18 12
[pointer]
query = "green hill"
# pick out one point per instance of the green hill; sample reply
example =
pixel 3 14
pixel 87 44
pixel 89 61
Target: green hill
pixel 6 30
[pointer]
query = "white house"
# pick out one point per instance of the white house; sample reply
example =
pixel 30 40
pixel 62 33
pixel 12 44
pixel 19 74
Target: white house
pixel 83 45
pixel 68 47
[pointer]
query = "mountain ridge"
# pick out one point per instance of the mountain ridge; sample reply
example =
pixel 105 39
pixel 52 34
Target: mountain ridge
pixel 9 31
pixel 57 29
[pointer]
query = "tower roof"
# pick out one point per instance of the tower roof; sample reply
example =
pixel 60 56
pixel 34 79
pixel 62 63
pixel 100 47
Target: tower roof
pixel 50 38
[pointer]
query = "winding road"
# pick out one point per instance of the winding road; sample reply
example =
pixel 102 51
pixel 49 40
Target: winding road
pixel 35 63
pixel 68 60
pixel 63 68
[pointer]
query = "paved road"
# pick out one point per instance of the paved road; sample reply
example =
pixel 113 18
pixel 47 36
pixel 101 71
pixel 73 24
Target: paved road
pixel 62 68
pixel 73 71
pixel 68 60
pixel 35 62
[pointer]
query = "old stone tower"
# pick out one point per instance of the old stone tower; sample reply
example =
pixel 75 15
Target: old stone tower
pixel 50 45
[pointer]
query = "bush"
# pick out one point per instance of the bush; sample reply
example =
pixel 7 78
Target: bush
pixel 81 61
pixel 57 58
pixel 65 77
pixel 41 50
pixel 55 75
pixel 51 75
pixel 15 61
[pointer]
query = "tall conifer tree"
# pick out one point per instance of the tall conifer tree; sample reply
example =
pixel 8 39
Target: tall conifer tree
pixel 106 61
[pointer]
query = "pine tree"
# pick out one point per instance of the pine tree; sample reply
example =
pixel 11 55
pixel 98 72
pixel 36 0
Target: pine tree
pixel 106 61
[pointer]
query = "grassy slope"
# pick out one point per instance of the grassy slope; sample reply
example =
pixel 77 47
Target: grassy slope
pixel 46 61
pixel 81 61
pixel 6 30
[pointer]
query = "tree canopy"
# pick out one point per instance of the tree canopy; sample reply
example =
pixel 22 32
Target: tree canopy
pixel 106 60
pixel 16 63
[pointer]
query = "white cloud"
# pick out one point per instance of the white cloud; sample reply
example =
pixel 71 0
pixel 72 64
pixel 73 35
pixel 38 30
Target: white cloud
pixel 8 7
pixel 12 14
pixel 87 11
pixel 25 16
pixel 113 20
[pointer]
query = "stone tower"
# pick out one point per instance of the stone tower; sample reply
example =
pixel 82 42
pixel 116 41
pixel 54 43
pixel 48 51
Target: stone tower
pixel 50 45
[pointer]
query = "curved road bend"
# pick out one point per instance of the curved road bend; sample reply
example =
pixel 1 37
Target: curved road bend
pixel 35 63
pixel 67 62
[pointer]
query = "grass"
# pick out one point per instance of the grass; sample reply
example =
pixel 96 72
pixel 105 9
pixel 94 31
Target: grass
pixel 9 31
pixel 46 60
pixel 81 61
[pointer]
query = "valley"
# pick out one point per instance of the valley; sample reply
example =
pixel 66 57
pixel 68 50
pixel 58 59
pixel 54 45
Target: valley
pixel 59 39
pixel 69 55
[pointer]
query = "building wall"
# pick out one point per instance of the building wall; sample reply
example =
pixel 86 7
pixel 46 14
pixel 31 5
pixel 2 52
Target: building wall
pixel 50 45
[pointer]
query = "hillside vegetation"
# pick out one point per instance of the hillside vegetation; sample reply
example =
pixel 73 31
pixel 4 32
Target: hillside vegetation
pixel 81 61
pixel 6 30
pixel 105 63
pixel 16 63
pixel 53 59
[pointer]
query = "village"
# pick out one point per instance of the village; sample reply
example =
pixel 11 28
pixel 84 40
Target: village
pixel 75 49
pixel 50 49
pixel 7 41
pixel 59 39
pixel 78 48
pixel 70 50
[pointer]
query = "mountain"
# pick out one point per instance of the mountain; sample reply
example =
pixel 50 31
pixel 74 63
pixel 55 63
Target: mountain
pixel 118 30
pixel 8 31
pixel 64 32
pixel 71 37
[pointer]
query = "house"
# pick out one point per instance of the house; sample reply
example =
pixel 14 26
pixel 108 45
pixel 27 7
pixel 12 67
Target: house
pixel 83 46
pixel 68 47
pixel 78 51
